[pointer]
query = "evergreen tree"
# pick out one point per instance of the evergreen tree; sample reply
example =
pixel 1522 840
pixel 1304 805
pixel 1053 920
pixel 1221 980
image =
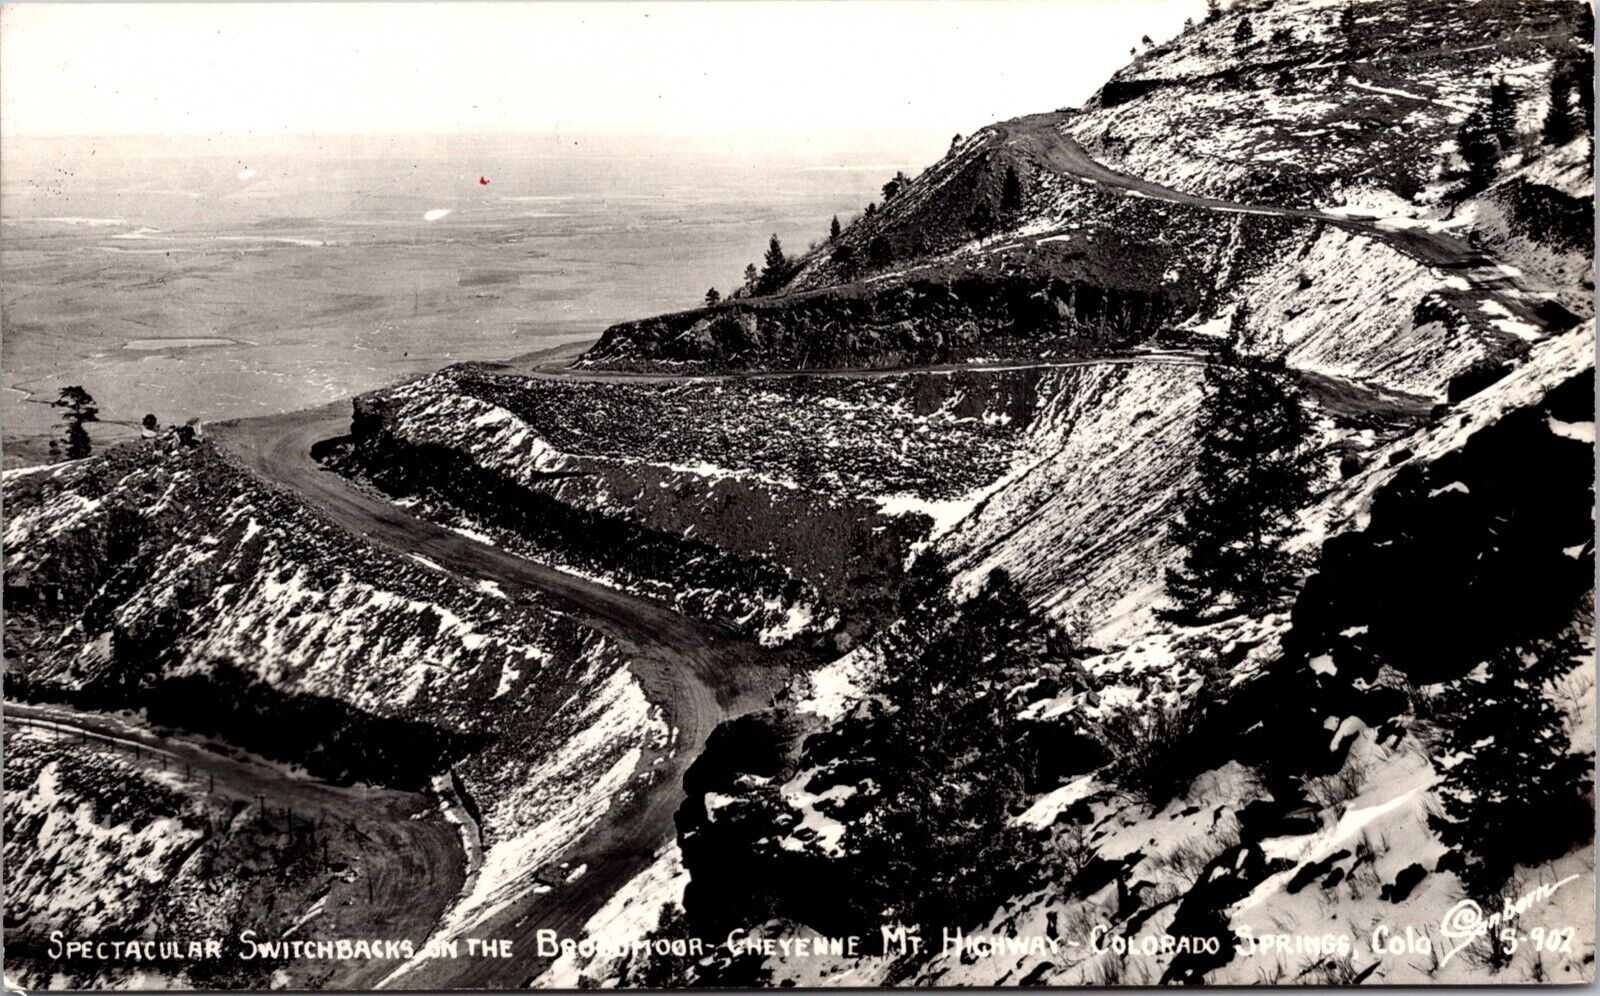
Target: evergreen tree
pixel 845 258
pixel 150 423
pixel 775 271
pixel 1213 9
pixel 1011 191
pixel 833 229
pixel 1255 469
pixel 1558 129
pixel 1244 32
pixel 1505 754
pixel 712 297
pixel 80 409
pixel 879 252
pixel 871 209
pixel 939 848
pixel 1347 24
pixel 1478 151
pixel 981 220
pixel 895 184
pixel 1583 74
pixel 750 278
pixel 1503 113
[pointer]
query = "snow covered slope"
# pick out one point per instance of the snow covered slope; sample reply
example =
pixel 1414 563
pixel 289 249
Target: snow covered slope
pixel 1306 104
pixel 161 577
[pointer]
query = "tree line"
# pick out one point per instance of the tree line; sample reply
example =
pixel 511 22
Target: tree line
pixel 778 268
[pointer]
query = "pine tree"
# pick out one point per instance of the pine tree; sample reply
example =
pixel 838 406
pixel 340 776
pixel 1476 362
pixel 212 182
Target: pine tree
pixel 1503 113
pixel 775 271
pixel 879 252
pixel 1558 129
pixel 1478 151
pixel 981 220
pixel 712 297
pixel 833 229
pixel 80 409
pixel 1255 469
pixel 1011 191
pixel 1244 32
pixel 1583 74
pixel 939 848
pixel 1505 755
pixel 750 278
pixel 1347 24
pixel 845 258
pixel 895 184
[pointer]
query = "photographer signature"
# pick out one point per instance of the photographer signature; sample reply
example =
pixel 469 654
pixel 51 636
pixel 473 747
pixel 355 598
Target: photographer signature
pixel 1465 922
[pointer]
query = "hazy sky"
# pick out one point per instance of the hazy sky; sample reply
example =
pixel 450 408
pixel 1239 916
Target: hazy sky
pixel 794 73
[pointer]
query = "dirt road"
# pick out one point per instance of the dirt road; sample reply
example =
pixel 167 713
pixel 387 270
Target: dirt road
pixel 696 673
pixel 408 860
pixel 1040 138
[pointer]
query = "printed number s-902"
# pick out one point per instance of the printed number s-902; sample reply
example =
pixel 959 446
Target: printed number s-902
pixel 1552 940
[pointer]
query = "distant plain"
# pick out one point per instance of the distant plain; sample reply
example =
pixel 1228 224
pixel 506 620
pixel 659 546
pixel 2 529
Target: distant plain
pixel 178 280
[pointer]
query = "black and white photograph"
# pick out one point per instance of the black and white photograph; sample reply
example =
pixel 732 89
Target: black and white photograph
pixel 826 495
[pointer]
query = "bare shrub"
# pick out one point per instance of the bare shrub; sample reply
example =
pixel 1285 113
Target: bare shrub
pixel 1191 857
pixel 1070 851
pixel 1333 791
pixel 1333 971
pixel 1111 972
pixel 1493 951
pixel 1148 747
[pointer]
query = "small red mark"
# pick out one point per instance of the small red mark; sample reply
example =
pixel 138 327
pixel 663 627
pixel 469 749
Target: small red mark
pixel 483 181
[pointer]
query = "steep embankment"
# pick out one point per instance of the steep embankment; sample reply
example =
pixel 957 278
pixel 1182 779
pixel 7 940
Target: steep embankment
pixel 1291 170
pixel 1071 271
pixel 162 577
pixel 783 507
pixel 1305 749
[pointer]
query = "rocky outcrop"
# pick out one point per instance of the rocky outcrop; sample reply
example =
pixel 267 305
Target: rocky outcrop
pixel 901 323
pixel 1490 545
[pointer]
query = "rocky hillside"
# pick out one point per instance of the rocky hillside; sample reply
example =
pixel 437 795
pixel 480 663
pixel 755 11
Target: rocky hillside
pixel 780 507
pixel 1282 789
pixel 940 467
pixel 1308 105
pixel 160 577
pixel 1327 135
